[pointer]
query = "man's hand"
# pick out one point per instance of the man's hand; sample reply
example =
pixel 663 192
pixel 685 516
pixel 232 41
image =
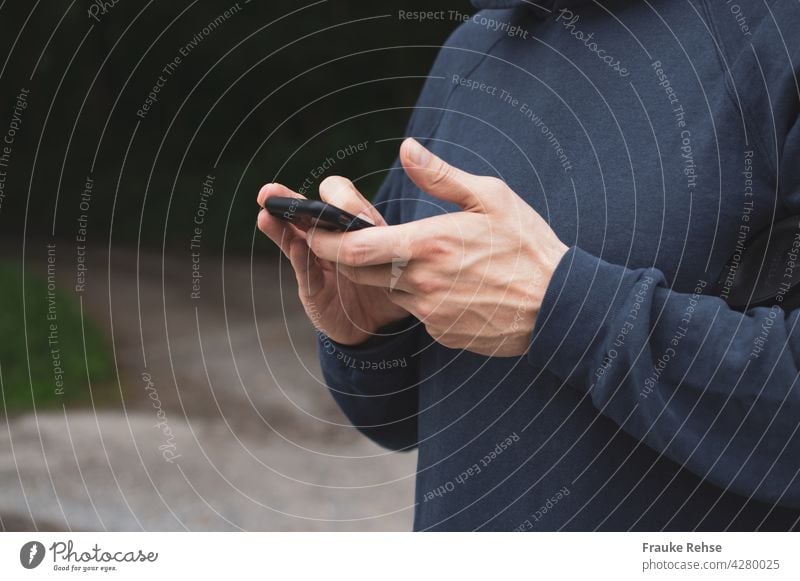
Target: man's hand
pixel 476 278
pixel 347 312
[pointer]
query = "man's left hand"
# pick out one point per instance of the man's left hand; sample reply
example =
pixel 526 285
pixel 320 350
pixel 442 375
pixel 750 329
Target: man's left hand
pixel 475 278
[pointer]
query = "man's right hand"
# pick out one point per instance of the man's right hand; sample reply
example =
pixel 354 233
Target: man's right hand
pixel 347 312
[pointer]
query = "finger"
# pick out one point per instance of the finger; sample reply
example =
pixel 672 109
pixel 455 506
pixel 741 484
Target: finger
pixel 388 276
pixel 369 246
pixel 310 278
pixel 271 190
pixel 280 232
pixel 341 192
pixel 440 179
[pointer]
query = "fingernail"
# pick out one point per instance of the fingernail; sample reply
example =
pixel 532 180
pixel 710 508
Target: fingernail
pixel 418 154
pixel 365 216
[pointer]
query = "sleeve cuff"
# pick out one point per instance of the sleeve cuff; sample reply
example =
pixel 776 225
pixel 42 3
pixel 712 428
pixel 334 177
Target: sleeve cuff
pixel 581 300
pixel 388 348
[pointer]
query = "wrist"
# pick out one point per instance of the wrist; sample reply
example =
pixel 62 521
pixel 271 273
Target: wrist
pixel 381 334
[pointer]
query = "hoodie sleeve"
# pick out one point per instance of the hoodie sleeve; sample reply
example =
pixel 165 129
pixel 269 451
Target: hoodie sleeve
pixel 713 389
pixel 376 383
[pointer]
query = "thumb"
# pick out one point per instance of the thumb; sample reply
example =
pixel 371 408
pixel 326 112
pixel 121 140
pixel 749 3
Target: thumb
pixel 441 180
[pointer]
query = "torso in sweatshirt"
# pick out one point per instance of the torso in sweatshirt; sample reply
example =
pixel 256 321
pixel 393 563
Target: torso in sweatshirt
pixel 650 135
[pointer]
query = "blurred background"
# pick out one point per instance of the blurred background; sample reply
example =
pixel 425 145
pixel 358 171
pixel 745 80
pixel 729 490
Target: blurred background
pixel 156 370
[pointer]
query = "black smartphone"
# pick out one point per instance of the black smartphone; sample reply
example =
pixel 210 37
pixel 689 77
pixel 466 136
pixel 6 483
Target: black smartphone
pixel 307 214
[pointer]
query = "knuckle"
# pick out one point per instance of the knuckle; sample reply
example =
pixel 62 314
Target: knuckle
pixel 413 278
pixel 426 285
pixel 497 189
pixel 351 254
pixel 495 184
pixel 441 174
pixel 429 247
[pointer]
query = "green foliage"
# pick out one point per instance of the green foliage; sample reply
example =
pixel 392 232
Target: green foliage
pixel 31 362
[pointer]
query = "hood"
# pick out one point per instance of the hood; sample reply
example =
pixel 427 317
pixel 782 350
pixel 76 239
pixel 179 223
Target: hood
pixel 541 7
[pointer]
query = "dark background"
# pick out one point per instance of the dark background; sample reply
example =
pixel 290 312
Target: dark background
pixel 265 97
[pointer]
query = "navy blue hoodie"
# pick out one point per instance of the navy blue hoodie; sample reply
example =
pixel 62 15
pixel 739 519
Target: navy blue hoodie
pixel 652 136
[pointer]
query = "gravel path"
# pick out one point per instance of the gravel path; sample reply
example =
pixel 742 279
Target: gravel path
pixel 223 422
